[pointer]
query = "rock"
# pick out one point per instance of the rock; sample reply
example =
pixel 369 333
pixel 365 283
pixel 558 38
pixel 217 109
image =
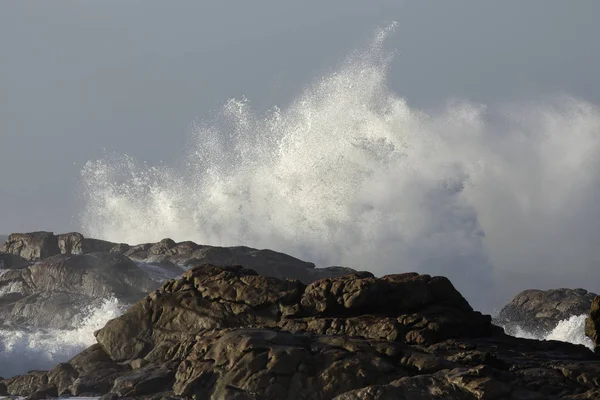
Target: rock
pixel 229 333
pixel 54 310
pixel 12 261
pixel 98 275
pixel 539 311
pixel 592 323
pixel 56 291
pixel 76 243
pixel 27 384
pixel 32 246
pixel 46 392
pixel 265 262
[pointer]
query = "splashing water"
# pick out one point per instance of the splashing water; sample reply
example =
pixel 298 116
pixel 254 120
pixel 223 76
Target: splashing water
pixel 22 351
pixel 570 330
pixel 349 174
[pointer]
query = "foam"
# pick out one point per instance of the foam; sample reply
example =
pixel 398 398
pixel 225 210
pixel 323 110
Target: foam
pixel 22 351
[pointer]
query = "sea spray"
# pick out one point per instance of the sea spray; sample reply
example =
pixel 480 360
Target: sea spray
pixel 25 350
pixel 498 199
pixel 571 330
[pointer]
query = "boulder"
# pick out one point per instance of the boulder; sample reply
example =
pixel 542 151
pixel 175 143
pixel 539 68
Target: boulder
pixel 32 246
pixel 539 311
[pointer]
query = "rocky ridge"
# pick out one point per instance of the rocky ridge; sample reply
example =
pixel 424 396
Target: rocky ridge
pixel 47 280
pixel 229 333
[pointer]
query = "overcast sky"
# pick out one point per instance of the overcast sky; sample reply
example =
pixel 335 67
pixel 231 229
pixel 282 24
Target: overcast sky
pixel 77 77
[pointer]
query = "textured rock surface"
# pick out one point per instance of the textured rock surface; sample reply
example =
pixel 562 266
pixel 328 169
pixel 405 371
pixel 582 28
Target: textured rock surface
pixel 592 323
pixel 46 280
pixel 539 311
pixel 31 246
pixel 228 333
pixel 51 292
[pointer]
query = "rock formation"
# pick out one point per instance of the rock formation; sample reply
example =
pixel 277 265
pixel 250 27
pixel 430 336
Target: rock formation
pixel 47 280
pixel 539 311
pixel 229 333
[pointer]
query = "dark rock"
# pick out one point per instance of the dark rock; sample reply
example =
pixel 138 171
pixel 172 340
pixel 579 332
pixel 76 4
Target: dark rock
pixel 27 384
pixel 62 378
pixel 31 246
pixel 46 392
pixel 12 261
pixel 592 323
pixel 229 333
pixel 539 311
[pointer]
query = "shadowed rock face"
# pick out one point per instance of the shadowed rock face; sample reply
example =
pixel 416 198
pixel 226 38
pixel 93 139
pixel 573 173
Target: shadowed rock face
pixel 229 333
pixel 539 311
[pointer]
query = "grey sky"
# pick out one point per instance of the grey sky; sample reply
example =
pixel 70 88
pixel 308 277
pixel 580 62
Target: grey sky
pixel 130 76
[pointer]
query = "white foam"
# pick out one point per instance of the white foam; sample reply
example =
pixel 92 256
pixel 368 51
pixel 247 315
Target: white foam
pixel 22 351
pixel 571 330
pixel 498 199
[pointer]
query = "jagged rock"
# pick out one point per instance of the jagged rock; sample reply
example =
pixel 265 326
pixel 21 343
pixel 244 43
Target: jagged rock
pixel 592 323
pixel 423 309
pixel 27 384
pixel 228 333
pixel 52 292
pixel 32 246
pixel 266 364
pixel 539 311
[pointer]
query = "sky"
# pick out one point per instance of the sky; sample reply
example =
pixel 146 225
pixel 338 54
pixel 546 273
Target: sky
pixel 130 76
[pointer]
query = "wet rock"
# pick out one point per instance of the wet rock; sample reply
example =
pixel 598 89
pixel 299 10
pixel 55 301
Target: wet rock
pixel 539 311
pixel 57 291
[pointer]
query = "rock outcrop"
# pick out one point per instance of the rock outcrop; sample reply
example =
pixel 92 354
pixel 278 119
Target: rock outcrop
pixel 49 293
pixel 229 333
pixel 539 311
pixel 47 280
pixel 31 246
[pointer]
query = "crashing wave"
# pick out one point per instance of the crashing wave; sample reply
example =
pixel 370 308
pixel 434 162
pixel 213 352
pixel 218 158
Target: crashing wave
pixel 22 351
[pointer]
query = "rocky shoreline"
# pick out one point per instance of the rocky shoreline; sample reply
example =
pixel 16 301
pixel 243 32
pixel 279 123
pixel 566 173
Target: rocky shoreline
pixel 233 332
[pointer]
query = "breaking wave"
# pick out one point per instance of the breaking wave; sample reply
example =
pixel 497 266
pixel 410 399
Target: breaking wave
pixel 570 330
pixel 22 351
pixel 497 199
